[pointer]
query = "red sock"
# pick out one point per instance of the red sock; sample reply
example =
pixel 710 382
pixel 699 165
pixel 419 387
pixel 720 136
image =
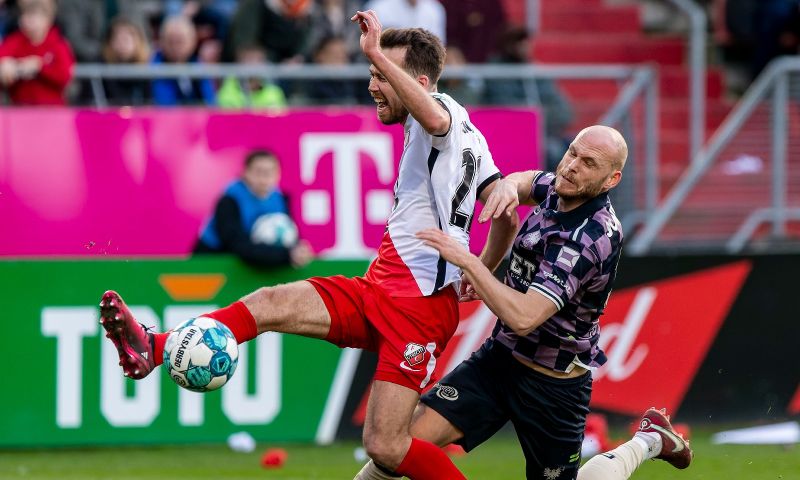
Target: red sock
pixel 235 316
pixel 425 461
pixel 159 339
pixel 239 319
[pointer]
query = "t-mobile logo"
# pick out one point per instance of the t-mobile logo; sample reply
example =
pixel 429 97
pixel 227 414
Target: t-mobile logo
pixel 346 150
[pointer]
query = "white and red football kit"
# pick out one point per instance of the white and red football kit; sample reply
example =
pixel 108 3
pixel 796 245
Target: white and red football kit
pixel 405 307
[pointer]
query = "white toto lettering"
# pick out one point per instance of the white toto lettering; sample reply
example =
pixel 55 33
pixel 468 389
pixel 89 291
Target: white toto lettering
pixel 121 410
pixel 71 326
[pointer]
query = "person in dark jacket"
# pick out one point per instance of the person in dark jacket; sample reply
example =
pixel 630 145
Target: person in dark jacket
pixel 126 43
pixel 246 200
pixel 178 42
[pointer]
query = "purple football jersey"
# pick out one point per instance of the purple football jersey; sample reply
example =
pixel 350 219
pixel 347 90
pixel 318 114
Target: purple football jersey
pixel 570 258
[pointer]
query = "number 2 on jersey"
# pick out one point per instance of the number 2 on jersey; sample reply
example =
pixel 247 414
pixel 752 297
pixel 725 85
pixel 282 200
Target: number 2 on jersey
pixel 469 165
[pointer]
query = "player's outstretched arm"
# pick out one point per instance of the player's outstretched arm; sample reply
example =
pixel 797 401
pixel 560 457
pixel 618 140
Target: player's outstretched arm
pixel 503 228
pixel 522 312
pixel 413 92
pixel 508 193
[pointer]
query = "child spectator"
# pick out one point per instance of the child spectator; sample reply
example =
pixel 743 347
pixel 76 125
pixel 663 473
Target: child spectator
pixel 255 195
pixel 35 61
pixel 261 93
pixel 331 52
pixel 125 43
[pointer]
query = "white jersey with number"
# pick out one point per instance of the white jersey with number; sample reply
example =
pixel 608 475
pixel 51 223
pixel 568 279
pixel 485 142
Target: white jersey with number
pixel 439 180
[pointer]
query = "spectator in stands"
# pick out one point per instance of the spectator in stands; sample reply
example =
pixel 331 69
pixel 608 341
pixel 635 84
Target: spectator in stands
pixel 775 28
pixel 8 16
pixel 331 18
pixel 465 91
pixel 280 26
pixel 427 14
pixel 145 13
pixel 178 41
pixel 753 32
pixel 36 61
pixel 260 93
pixel 125 43
pixel 211 25
pixel 255 194
pixel 474 26
pixel 332 52
pixel 84 23
pixel 514 48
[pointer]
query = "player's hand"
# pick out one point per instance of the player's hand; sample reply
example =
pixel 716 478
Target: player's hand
pixel 447 246
pixel 301 254
pixel 370 32
pixel 503 200
pixel 467 292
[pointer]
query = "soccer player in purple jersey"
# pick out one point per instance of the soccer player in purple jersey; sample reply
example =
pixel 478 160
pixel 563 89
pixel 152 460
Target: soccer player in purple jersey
pixel 535 369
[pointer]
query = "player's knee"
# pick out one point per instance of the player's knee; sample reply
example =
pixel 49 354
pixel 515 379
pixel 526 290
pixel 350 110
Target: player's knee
pixel 262 294
pixel 384 449
pixel 268 299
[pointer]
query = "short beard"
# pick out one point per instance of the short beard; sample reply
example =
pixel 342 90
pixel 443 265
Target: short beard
pixel 395 118
pixel 584 194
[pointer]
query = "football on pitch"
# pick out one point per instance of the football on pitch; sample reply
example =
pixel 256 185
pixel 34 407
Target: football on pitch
pixel 201 354
pixel 274 229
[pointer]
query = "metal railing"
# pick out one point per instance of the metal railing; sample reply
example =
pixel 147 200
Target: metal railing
pixel 774 81
pixel 644 83
pixel 95 73
pixel 697 74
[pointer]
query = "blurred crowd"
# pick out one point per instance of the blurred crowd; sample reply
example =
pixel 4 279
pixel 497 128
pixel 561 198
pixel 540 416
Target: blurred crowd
pixel 42 39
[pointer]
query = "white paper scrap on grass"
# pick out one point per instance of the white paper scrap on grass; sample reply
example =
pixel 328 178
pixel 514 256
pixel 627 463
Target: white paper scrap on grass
pixel 776 434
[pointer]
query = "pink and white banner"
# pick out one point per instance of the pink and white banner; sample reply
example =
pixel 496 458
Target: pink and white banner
pixel 141 182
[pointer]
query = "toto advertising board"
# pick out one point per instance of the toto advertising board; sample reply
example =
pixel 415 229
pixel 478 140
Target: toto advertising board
pixel 65 387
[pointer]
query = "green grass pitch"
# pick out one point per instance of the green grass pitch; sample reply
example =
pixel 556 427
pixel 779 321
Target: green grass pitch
pixel 500 458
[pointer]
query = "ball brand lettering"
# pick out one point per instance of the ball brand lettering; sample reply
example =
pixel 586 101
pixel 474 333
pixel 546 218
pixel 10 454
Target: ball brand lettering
pixel 184 344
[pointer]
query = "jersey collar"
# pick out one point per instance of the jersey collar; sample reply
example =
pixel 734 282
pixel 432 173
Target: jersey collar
pixel 576 216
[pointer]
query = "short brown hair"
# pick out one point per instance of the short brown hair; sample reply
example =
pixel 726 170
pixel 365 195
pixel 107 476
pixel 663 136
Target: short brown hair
pixel 254 155
pixel 425 53
pixel 48 7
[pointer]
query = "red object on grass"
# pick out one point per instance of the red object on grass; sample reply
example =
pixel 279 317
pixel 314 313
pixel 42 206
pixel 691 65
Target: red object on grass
pixel 274 458
pixel 454 450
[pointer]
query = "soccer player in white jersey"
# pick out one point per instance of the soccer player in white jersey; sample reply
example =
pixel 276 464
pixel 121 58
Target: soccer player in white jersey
pixel 405 307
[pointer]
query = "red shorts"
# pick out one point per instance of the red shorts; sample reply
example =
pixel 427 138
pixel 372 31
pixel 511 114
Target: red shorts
pixel 409 333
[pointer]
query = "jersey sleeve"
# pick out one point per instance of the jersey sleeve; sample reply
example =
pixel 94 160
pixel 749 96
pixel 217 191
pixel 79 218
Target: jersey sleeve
pixel 566 266
pixel 453 109
pixel 542 183
pixel 487 171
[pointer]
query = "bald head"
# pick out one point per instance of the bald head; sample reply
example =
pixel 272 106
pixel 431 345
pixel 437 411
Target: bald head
pixel 610 140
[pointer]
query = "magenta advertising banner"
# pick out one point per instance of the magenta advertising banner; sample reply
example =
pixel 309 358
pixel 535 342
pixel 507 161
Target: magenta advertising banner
pixel 142 182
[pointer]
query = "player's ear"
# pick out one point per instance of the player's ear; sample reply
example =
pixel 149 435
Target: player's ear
pixel 424 81
pixel 613 180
